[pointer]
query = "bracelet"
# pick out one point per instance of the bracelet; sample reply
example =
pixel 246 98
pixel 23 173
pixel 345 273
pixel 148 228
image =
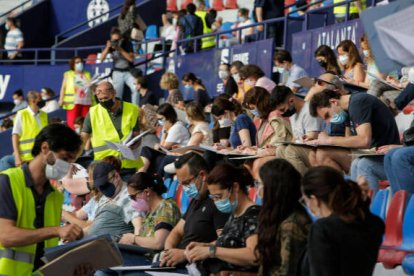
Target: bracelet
pixel 212 250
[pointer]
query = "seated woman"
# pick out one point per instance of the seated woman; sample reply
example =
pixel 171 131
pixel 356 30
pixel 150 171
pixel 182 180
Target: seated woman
pixel 283 227
pixel 271 128
pixel 199 128
pixel 169 81
pixel 326 58
pixel 162 214
pixel 201 96
pixel 350 62
pixel 235 247
pixel 346 238
pixel 229 112
pixel 173 133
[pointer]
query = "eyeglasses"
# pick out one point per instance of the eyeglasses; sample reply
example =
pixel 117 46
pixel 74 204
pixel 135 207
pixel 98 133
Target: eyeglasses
pixel 322 82
pixel 219 197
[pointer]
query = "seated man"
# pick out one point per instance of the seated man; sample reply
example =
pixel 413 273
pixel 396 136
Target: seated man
pixel 202 221
pixel 373 124
pixel 304 126
pixel 289 71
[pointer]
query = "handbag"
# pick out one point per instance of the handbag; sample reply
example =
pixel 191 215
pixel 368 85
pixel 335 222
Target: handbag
pixel 408 137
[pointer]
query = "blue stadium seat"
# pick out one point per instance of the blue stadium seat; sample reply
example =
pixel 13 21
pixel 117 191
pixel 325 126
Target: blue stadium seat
pixel 379 204
pixel 185 202
pixel 408 264
pixel 151 32
pixel 226 26
pixel 167 184
pixel 172 189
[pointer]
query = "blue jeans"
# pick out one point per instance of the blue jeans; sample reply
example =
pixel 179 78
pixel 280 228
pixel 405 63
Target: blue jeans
pixel 7 162
pixel 372 168
pixel 399 168
pixel 119 80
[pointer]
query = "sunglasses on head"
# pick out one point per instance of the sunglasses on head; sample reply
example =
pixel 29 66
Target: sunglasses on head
pixel 322 82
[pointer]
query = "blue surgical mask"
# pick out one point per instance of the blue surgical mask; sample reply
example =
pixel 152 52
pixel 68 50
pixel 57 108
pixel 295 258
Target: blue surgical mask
pixel 339 118
pixel 255 112
pixel 191 190
pixel 161 122
pixel 79 67
pixel 281 70
pixel 187 86
pixel 225 206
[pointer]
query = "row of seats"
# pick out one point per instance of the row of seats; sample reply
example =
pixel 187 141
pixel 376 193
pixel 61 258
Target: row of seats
pixel 218 5
pixel 398 245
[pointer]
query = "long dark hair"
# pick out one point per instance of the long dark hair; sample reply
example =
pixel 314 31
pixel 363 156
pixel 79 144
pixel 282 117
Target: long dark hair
pixel 142 180
pixel 349 47
pixel 343 197
pixel 225 175
pixel 221 105
pixel 331 62
pixel 125 8
pixel 191 77
pixel 280 199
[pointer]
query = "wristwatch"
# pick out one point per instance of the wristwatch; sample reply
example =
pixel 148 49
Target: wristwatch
pixel 212 250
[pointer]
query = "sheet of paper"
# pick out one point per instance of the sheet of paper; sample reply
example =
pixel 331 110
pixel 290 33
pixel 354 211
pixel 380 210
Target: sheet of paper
pixel 383 81
pixel 140 267
pixel 126 152
pixel 136 138
pixel 305 82
pixel 396 33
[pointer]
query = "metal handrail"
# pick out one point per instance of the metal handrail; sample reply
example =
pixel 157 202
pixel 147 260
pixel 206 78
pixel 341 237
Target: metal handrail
pixel 15 8
pixel 265 23
pixel 96 17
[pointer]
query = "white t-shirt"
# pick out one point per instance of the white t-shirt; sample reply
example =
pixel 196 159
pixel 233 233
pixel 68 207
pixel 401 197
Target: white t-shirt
pixel 303 122
pixel 122 200
pixel 13 38
pixel 51 106
pixel 204 129
pixel 93 205
pixel 18 127
pixel 178 134
pixel 245 31
pixel 168 32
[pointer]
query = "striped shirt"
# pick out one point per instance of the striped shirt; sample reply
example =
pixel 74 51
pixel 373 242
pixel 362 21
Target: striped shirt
pixel 13 38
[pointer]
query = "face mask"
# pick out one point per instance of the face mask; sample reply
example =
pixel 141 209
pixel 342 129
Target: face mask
pixel 339 118
pixel 223 75
pixel 161 122
pixel 225 206
pixel 41 104
pixel 236 77
pixel 323 63
pixel 187 86
pixel 17 102
pixel 280 70
pixel 140 205
pixel 242 19
pixel 79 67
pixel 175 21
pixel 255 112
pixel 78 130
pixel 45 98
pixel 108 104
pixel 290 111
pixel 58 170
pixel 250 82
pixel 343 59
pixel 109 190
pixel 191 190
pixel 366 53
pixel 7 27
pixel 225 122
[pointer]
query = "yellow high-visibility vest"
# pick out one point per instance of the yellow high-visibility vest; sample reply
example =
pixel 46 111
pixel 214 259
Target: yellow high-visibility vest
pixel 206 42
pixel 30 129
pixel 20 260
pixel 352 8
pixel 103 129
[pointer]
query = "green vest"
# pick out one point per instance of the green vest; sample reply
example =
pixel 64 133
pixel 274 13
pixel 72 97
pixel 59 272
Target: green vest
pixel 206 42
pixel 30 129
pixel 69 97
pixel 352 7
pixel 18 261
pixel 103 129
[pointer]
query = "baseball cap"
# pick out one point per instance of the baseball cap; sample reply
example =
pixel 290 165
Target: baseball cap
pixel 101 181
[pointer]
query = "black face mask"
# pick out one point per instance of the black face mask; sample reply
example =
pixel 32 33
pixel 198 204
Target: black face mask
pixel 108 104
pixel 323 63
pixel 290 111
pixel 41 104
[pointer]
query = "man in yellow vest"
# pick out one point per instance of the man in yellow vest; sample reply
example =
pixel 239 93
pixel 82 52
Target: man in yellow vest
pixel 111 120
pixel 27 124
pixel 207 42
pixel 354 9
pixel 30 208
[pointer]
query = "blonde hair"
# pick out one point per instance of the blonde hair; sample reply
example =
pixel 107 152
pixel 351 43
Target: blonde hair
pixel 169 81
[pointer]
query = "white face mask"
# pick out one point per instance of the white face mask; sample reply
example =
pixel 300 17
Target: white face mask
pixel 17 102
pixel 343 59
pixel 174 21
pixel 58 170
pixel 236 77
pixel 223 75
pixel 225 122
pixel 250 82
pixel 366 53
